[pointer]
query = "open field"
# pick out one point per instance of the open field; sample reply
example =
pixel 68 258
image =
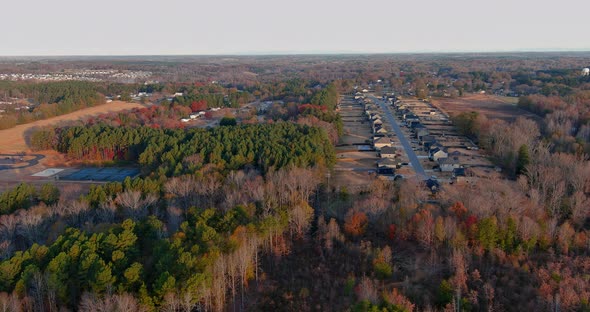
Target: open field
pixel 493 107
pixel 13 140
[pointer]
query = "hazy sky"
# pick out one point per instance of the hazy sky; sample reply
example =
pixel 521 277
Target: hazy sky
pixel 105 27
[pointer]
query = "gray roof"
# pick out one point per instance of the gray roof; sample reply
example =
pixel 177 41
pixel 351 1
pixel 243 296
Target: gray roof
pixel 388 150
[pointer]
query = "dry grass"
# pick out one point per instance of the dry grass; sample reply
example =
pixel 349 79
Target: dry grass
pixel 13 140
pixel 493 107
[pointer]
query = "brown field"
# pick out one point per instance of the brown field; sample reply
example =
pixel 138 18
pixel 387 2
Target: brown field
pixel 493 107
pixel 13 140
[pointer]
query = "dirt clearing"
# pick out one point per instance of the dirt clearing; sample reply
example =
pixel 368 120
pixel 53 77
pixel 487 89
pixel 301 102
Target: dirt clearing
pixel 492 107
pixel 13 140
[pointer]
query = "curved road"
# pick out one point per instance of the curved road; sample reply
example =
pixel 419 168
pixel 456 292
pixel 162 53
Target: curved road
pixel 402 138
pixel 30 162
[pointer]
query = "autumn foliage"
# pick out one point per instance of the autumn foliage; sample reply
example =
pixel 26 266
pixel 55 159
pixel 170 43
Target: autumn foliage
pixel 356 224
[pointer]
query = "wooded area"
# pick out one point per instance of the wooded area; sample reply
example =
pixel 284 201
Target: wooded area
pixel 244 217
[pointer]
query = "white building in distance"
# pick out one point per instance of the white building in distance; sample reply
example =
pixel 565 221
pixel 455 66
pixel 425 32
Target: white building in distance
pixel 586 72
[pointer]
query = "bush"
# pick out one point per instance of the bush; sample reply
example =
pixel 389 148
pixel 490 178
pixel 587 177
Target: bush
pixel 228 121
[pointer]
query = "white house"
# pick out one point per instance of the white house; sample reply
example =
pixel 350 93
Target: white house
pixel 197 115
pixel 448 164
pixel 438 153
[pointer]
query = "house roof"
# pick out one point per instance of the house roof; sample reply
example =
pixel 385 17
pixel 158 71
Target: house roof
pixel 436 150
pixel 436 145
pixel 386 162
pixel 381 130
pixel 388 150
pixel 428 138
pixel 448 161
pixel 382 140
pixel 432 184
pixel 459 172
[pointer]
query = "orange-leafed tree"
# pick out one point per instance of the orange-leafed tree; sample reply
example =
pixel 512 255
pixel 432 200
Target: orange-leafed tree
pixel 356 224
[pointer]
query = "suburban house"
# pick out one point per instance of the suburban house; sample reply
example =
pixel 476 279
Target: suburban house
pixel 427 140
pixel 380 130
pixel 437 153
pixel 381 142
pixel 432 185
pixel 387 163
pixel 409 117
pixel 197 115
pixel 387 152
pixel 448 164
pixel 377 124
pixel 386 171
pixel 375 116
pixel 458 172
pixel 414 123
pixel 421 132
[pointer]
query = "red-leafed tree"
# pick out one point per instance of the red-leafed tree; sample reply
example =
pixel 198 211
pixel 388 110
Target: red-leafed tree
pixel 198 106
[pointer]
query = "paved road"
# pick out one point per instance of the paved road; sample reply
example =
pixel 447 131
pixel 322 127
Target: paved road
pixel 30 162
pixel 402 138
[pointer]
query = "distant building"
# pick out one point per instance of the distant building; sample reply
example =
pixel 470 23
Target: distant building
pixel 586 72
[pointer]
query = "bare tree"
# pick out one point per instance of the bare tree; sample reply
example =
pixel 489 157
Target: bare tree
pixel 8 225
pixel 367 291
pixel 10 303
pixel 134 204
pixel 300 218
pixel 32 226
pixel 109 303
pixel 580 208
pixel 183 188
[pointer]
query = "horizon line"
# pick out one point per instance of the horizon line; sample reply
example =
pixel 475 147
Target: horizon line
pixel 311 53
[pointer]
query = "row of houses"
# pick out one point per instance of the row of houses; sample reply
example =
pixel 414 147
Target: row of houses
pixel 436 151
pixel 389 157
pixel 193 116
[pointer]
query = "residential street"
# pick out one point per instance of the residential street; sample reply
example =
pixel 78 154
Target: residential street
pixel 402 138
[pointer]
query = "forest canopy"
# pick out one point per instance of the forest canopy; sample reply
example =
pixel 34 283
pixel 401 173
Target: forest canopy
pixel 174 152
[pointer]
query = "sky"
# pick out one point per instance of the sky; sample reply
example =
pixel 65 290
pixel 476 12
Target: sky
pixel 184 27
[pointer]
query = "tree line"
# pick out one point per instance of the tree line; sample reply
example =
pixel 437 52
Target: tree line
pixel 167 152
pixel 50 99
